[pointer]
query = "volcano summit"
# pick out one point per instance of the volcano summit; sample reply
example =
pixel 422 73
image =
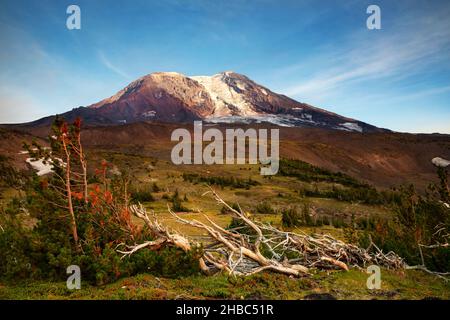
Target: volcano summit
pixel 224 97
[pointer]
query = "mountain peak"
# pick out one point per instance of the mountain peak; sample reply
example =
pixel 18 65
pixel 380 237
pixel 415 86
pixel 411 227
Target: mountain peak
pixel 166 74
pixel 223 97
pixel 229 73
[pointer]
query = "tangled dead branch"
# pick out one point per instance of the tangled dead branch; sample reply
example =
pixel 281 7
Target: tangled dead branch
pixel 264 247
pixel 159 232
pixel 268 248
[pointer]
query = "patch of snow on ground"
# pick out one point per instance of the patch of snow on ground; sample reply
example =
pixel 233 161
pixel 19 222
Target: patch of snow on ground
pixel 41 167
pixel 439 162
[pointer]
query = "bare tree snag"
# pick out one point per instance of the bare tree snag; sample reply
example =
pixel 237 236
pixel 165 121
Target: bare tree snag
pixel 78 148
pixel 64 142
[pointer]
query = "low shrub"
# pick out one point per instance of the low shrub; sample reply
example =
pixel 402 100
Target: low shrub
pixel 265 208
pixel 141 196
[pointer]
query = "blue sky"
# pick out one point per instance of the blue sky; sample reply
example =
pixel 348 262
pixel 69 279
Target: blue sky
pixel 318 52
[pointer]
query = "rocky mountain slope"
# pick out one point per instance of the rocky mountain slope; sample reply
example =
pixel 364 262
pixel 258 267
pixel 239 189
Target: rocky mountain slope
pixel 224 97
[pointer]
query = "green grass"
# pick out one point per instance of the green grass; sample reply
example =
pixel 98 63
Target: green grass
pixel 340 284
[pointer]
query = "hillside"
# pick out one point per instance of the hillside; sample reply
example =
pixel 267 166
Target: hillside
pixel 384 159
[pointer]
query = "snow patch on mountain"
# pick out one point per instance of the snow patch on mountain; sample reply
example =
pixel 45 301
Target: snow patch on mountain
pixel 279 120
pixel 149 114
pixel 350 126
pixel 227 100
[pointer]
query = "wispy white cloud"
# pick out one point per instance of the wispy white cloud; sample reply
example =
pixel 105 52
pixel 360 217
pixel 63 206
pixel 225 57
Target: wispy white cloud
pixel 424 93
pixel 107 63
pixel 416 44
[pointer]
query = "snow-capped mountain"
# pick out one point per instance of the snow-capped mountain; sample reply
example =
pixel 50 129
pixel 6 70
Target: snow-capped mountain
pixel 224 97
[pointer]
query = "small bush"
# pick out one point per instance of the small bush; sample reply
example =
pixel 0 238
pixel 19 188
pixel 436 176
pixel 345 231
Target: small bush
pixel 291 218
pixel 265 208
pixel 141 196
pixel 155 188
pixel 338 222
pixel 177 205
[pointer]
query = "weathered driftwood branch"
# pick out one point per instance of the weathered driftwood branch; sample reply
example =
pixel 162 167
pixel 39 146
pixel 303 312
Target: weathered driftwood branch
pixel 162 237
pixel 160 233
pixel 263 247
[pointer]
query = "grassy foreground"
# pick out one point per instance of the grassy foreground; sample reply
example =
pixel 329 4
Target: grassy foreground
pixel 339 284
pixel 309 190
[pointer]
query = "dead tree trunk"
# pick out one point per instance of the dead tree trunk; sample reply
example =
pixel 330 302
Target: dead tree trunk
pixel 69 189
